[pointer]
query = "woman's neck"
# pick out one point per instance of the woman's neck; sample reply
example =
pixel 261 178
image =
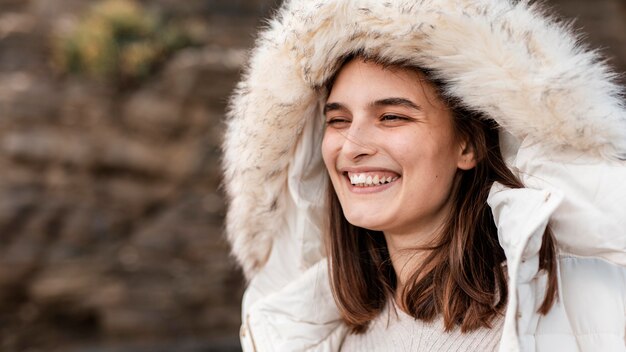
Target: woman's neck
pixel 407 252
pixel 409 245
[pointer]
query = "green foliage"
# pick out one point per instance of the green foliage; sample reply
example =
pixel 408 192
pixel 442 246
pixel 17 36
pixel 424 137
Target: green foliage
pixel 118 40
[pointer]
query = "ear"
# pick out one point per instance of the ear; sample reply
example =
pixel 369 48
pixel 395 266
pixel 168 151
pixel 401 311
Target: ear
pixel 467 156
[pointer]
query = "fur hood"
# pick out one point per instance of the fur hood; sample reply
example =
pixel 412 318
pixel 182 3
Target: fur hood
pixel 504 58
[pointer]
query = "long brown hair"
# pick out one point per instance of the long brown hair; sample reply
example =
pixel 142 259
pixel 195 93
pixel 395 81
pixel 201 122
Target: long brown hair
pixel 462 278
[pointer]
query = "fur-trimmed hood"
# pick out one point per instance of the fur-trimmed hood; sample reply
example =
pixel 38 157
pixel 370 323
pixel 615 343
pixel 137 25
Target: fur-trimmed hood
pixel 504 58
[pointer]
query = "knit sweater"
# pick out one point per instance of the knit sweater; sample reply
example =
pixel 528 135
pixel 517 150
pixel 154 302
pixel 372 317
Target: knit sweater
pixel 394 330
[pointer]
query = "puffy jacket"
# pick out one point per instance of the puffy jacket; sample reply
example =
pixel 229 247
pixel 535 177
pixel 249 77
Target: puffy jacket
pixel 563 133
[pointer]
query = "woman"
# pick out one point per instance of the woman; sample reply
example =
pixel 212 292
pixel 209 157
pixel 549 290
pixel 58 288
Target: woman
pixel 483 65
pixel 408 205
pixel 410 180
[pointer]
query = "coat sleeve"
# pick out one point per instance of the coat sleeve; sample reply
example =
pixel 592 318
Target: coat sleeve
pixel 302 316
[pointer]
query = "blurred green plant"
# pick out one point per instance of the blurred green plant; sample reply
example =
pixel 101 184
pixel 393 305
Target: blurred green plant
pixel 118 40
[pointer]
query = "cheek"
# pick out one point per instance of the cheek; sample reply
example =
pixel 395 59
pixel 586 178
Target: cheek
pixel 427 160
pixel 329 150
pixel 401 145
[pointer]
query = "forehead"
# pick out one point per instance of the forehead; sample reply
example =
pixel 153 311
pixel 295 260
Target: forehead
pixel 363 81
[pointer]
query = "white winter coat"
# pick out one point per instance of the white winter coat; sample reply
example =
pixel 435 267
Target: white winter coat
pixel 564 135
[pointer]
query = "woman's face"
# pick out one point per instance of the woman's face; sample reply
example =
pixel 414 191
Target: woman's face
pixel 390 149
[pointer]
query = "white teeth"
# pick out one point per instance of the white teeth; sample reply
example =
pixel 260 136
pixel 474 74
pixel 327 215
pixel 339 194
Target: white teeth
pixel 363 180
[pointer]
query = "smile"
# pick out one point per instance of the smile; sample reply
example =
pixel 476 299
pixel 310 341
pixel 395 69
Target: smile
pixel 370 179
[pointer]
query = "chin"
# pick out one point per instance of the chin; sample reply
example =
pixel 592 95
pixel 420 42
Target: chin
pixel 365 221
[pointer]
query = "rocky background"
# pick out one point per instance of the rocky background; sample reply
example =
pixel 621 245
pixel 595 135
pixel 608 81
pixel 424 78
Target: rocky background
pixel 110 209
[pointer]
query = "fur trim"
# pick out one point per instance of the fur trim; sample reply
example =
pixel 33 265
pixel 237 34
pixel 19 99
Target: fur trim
pixel 503 58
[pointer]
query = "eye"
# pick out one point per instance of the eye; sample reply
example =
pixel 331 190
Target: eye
pixel 391 117
pixel 337 122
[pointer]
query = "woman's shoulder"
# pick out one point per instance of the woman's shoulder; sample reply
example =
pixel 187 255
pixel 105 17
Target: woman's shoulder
pixel 590 313
pixel 593 288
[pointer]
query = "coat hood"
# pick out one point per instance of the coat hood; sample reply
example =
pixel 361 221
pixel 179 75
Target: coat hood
pixel 504 58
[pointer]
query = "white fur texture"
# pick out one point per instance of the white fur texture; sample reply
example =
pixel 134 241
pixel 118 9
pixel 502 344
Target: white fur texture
pixel 504 58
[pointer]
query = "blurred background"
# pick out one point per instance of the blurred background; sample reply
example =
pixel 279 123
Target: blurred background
pixel 111 215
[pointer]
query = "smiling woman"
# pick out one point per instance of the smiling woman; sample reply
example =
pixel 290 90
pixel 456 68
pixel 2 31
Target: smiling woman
pixel 429 238
pixel 437 175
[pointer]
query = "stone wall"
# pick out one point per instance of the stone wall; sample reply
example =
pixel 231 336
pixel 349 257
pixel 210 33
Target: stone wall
pixel 110 209
pixel 603 23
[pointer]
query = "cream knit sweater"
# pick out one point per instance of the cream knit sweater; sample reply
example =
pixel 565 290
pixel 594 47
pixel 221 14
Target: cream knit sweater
pixel 394 330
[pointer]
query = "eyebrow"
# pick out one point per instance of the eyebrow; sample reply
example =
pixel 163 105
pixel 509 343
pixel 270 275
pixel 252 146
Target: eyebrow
pixel 378 103
pixel 333 107
pixel 396 102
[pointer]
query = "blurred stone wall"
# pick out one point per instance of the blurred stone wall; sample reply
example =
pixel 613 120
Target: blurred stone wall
pixel 110 210
pixel 603 23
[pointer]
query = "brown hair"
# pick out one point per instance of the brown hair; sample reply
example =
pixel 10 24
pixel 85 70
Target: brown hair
pixel 462 277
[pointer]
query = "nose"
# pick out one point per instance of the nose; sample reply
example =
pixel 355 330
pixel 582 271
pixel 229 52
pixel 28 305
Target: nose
pixel 358 142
